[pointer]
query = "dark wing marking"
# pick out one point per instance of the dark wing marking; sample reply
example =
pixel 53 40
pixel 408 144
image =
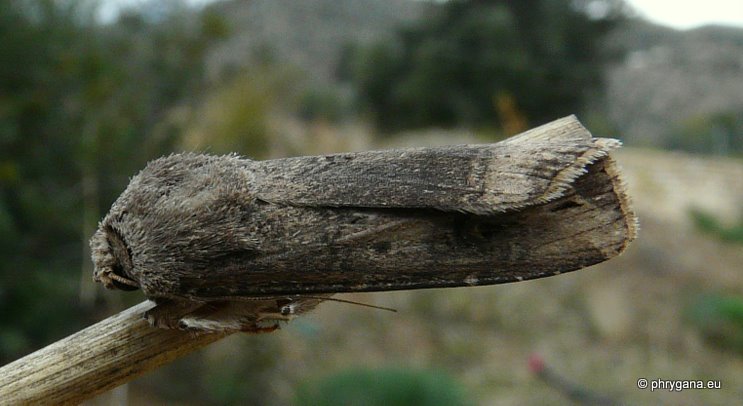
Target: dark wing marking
pixel 541 203
pixel 390 249
pixel 532 168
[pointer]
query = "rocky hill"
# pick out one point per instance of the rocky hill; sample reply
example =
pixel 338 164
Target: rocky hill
pixel 669 77
pixel 666 78
pixel 308 34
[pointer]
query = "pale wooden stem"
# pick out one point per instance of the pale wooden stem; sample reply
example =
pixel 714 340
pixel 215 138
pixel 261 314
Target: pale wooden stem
pixel 103 356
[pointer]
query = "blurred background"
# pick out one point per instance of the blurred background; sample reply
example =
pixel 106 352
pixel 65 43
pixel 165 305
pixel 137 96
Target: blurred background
pixel 92 90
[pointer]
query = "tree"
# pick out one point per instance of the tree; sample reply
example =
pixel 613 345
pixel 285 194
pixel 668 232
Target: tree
pixel 79 104
pixel 507 64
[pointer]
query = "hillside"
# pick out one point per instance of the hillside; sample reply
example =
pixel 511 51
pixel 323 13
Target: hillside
pixel 670 77
pixel 666 78
pixel 308 34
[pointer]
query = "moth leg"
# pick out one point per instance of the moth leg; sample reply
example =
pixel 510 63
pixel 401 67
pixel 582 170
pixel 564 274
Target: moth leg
pixel 283 311
pixel 251 315
pixel 255 329
pixel 231 316
pixel 288 308
pixel 168 313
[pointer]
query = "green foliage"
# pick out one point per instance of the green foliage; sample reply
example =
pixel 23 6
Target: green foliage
pixel 383 387
pixel 709 224
pixel 494 63
pixel 243 376
pixel 719 318
pixel 239 370
pixel 321 104
pixel 720 134
pixel 78 102
pixel 235 116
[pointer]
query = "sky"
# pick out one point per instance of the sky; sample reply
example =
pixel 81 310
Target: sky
pixel 678 14
pixel 682 14
pixel 109 8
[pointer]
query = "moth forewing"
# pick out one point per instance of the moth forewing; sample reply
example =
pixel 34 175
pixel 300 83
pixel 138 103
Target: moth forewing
pixel 226 243
pixel 374 250
pixel 525 170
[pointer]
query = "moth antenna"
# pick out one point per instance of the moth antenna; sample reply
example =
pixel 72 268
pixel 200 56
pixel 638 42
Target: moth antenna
pixel 121 279
pixel 333 299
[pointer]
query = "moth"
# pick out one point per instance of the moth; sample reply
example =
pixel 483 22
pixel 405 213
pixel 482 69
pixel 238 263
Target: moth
pixel 225 243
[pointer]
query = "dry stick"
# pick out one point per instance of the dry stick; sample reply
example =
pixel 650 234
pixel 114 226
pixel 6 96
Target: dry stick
pixel 101 357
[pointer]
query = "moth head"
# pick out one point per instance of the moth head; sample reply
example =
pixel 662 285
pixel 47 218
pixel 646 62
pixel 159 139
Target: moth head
pixel 111 259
